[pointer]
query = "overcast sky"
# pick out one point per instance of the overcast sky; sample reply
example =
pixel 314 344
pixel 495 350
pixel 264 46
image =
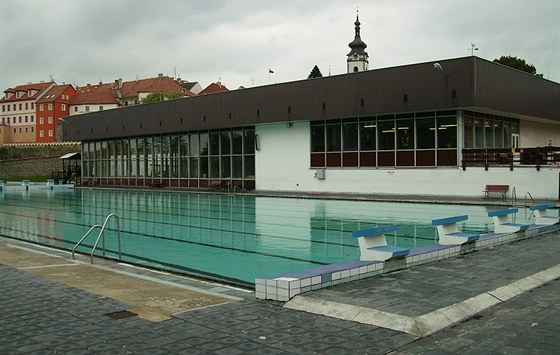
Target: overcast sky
pixel 235 41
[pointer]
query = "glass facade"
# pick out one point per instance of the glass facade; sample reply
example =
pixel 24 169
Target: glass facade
pixel 223 158
pixel 489 131
pixel 399 140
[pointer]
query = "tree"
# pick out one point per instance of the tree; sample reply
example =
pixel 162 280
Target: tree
pixel 518 63
pixel 315 73
pixel 160 96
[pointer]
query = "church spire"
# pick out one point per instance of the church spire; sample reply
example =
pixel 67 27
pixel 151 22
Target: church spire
pixel 358 57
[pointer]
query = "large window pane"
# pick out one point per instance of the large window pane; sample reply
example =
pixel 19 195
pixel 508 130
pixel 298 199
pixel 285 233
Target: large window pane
pixel 194 149
pixel 214 143
pixel 425 133
pixel 184 145
pixel 225 168
pixel 386 131
pixel 203 143
pixel 469 132
pixel 350 136
pixel 318 138
pixel 249 142
pixel 333 138
pixel 499 134
pixel 237 142
pixel 405 134
pixel 478 132
pixel 237 167
pixel 225 142
pixel 447 132
pixel 489 133
pixel 368 132
pixel 203 162
pixel 214 167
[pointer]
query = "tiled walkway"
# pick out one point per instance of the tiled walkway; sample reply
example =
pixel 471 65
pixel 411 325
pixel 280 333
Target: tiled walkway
pixel 40 316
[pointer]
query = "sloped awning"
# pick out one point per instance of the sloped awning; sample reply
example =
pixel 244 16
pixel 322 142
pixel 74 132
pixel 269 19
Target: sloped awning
pixel 73 156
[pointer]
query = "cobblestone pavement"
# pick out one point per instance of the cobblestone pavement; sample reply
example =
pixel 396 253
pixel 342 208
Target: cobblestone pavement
pixel 40 316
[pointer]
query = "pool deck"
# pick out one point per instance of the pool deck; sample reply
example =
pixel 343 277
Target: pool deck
pixel 511 292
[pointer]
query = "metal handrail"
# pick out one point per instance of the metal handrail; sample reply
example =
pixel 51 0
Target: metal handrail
pixel 513 197
pixel 532 199
pixel 101 234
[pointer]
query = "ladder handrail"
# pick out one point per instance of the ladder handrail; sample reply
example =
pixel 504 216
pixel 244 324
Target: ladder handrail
pixel 100 235
pixel 83 238
pixel 532 199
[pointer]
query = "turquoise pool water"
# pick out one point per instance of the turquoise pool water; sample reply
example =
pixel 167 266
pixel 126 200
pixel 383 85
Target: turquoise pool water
pixel 233 238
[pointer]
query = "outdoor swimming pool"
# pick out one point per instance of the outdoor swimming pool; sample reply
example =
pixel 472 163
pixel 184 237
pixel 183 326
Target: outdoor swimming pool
pixel 234 238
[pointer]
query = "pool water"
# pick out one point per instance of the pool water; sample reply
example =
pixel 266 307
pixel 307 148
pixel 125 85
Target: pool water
pixel 232 238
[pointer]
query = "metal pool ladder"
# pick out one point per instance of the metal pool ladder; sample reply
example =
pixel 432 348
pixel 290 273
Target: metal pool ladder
pixel 101 235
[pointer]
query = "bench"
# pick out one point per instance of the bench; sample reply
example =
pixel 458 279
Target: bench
pixel 449 233
pixel 503 189
pixel 541 216
pixel 373 245
pixel 502 223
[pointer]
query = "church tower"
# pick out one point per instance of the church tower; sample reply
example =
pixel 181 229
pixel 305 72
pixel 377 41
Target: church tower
pixel 357 58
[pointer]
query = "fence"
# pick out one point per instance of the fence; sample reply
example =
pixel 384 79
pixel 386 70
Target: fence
pixel 536 157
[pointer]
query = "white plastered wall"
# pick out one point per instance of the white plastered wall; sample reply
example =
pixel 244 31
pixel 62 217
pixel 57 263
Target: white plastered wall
pixel 536 134
pixel 282 164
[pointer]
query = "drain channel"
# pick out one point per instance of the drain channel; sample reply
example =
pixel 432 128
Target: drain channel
pixel 121 314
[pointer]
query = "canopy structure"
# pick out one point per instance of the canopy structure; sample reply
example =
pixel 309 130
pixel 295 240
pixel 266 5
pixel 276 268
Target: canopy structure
pixel 71 168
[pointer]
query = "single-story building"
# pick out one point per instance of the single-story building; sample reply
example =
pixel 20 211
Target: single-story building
pixel 397 130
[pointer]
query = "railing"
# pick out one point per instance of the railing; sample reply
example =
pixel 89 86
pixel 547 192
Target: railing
pixel 487 158
pixel 101 235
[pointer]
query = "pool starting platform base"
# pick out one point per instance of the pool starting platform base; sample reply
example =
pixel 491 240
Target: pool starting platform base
pixel 285 286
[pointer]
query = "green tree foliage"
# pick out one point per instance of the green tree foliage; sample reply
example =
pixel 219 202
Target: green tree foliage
pixel 315 73
pixel 517 63
pixel 160 96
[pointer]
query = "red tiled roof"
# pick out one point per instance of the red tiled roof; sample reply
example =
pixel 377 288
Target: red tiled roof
pixel 213 88
pixel 39 87
pixel 54 93
pixel 131 89
pixel 94 94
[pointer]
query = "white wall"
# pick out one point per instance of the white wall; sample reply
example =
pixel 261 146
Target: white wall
pixel 282 164
pixel 535 134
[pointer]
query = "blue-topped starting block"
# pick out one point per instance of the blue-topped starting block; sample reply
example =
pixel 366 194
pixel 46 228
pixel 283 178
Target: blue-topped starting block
pixel 373 244
pixel 541 216
pixel 449 233
pixel 502 223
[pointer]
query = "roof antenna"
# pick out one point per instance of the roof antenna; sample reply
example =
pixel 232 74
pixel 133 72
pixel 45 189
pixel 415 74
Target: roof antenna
pixel 473 48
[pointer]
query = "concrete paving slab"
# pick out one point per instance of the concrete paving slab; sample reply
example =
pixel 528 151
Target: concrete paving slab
pixel 153 301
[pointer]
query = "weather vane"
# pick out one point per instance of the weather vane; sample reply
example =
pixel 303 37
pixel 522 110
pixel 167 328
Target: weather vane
pixel 473 48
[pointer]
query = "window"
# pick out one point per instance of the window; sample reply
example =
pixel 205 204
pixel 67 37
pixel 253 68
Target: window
pixel 33 106
pixel 20 107
pixel 63 107
pixel 27 105
pixel 87 108
pixel 75 108
pixel 100 108
pixel 32 118
pixel 50 132
pixel 26 118
pixel 3 108
pixel 41 107
pixel 50 107
pixel 50 120
pixel 19 119
pixel 41 120
pixel 386 134
pixel 41 133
